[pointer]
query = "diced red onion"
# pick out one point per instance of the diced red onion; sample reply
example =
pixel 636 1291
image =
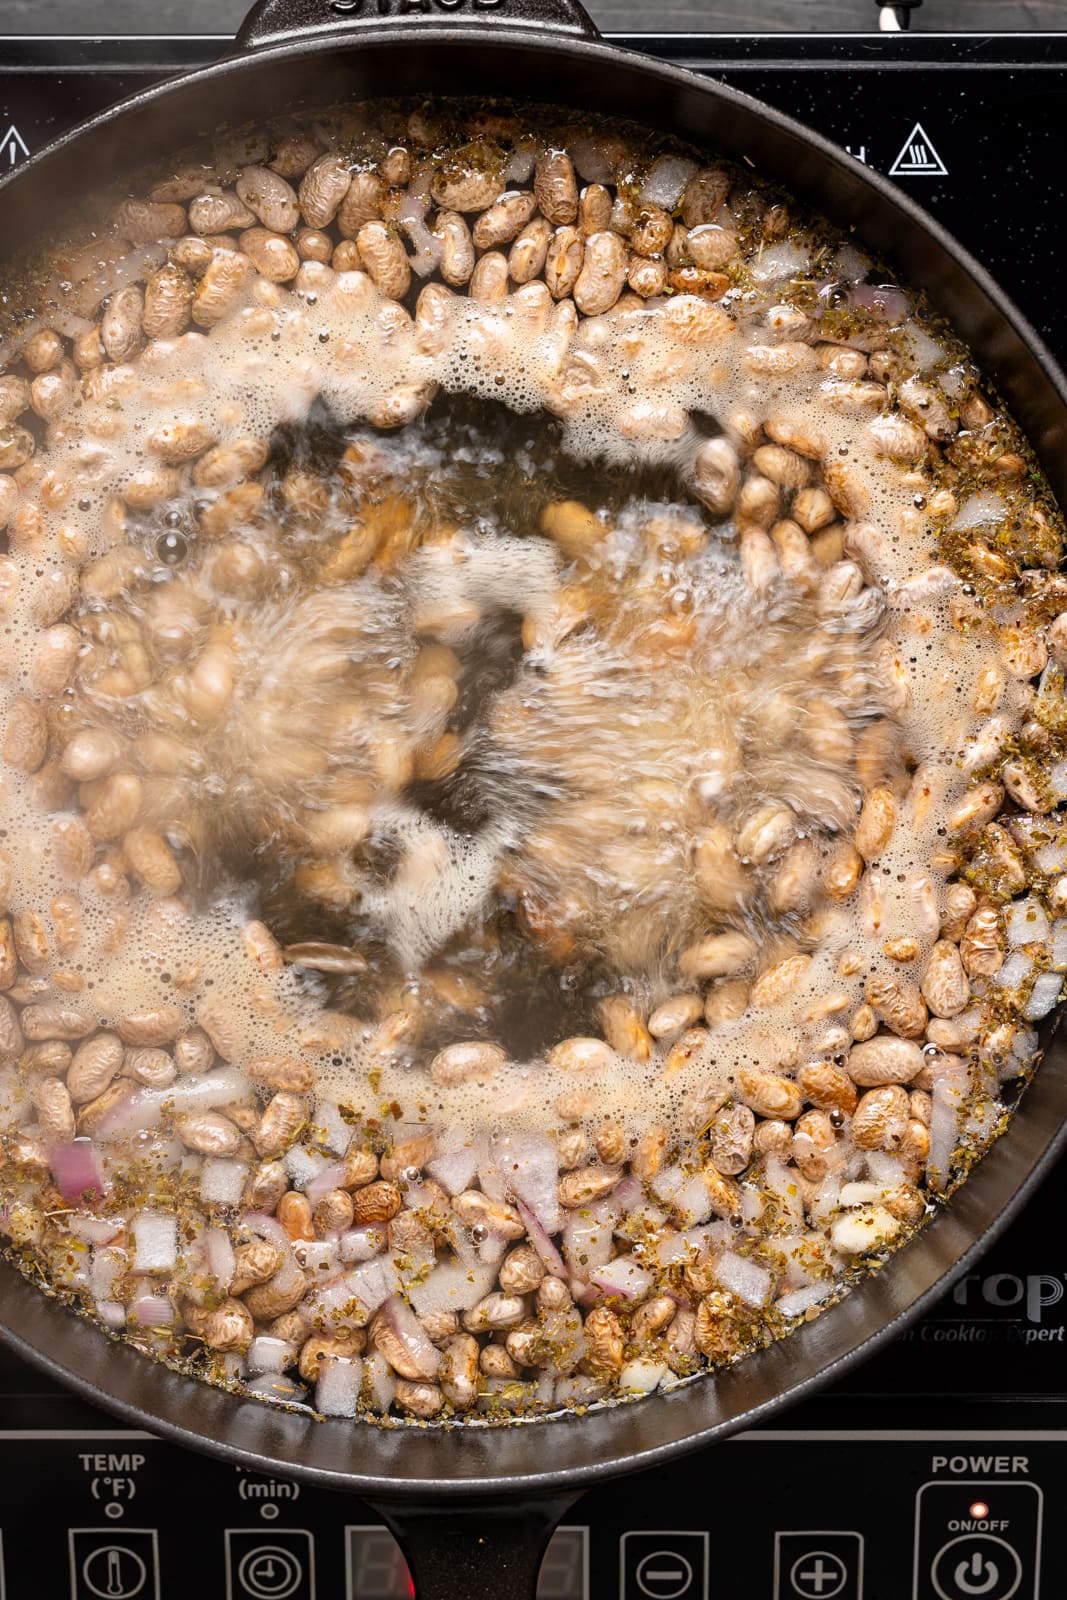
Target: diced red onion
pixel 980 510
pixel 622 1277
pixel 747 1279
pixel 785 260
pixel 529 1165
pixel 492 1249
pixel 491 1180
pixel 592 159
pixel 1015 970
pixel 564 1336
pixel 667 1182
pixel 629 1191
pixel 884 1168
pixel 327 1178
pixel 152 1311
pixel 881 300
pixel 505 1394
pixel 219 1255
pixel 551 1259
pixel 520 164
pixel 205 1091
pixel 155 1242
pixel 579 1390
pixel 76 1169
pixel 362 1244
pixel 339 1382
pixel 232 1363
pixel 140 1109
pixel 424 1356
pixel 95 1230
pixel 825 1201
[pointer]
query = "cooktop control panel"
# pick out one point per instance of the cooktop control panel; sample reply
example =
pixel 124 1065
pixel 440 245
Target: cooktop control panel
pixel 780 1515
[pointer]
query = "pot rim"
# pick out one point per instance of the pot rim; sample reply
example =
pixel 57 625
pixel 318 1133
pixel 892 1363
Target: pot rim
pixel 464 1462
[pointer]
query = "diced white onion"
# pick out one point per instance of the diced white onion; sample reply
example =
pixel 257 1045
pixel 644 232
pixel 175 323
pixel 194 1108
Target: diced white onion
pixel 667 177
pixel 222 1182
pixel 220 1256
pixel 747 1279
pixel 785 260
pixel 868 1228
pixel 267 1354
pixel 205 1091
pixel 155 1242
pixel 1025 922
pixel 641 1376
pixel 319 1257
pixel 362 1244
pixel 378 1383
pixel 453 1286
pixel 980 510
pixel 303 1166
pixel 338 1386
pixel 1043 996
pixel 622 1277
pixel 797 1301
pixel 331 1129
pixel 1014 971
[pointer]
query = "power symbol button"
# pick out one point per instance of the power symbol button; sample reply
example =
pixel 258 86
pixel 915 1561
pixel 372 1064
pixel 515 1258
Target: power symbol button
pixel 978 1575
pixel 976 1567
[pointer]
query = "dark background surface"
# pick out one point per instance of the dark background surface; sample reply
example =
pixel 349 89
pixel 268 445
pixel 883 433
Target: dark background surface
pixel 620 16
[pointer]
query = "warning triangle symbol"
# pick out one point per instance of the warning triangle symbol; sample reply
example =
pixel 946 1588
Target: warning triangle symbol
pixel 918 158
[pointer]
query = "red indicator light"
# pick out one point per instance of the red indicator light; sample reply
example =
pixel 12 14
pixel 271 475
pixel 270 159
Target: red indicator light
pixel 979 1509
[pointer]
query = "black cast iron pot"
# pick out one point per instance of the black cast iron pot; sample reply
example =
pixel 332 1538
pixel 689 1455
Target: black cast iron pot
pixel 474 1506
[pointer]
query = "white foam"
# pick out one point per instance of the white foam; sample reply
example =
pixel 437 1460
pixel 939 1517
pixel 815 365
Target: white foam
pixel 335 338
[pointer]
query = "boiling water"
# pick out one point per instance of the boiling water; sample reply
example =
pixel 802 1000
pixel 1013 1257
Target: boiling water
pixel 485 763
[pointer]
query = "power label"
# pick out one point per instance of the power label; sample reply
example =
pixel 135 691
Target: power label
pixel 977 1540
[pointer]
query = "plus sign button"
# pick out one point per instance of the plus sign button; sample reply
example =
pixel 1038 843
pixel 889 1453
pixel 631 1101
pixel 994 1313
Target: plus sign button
pixel 818 1566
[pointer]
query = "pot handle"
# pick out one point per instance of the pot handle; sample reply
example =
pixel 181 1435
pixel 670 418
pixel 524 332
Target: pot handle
pixel 478 1550
pixel 279 21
